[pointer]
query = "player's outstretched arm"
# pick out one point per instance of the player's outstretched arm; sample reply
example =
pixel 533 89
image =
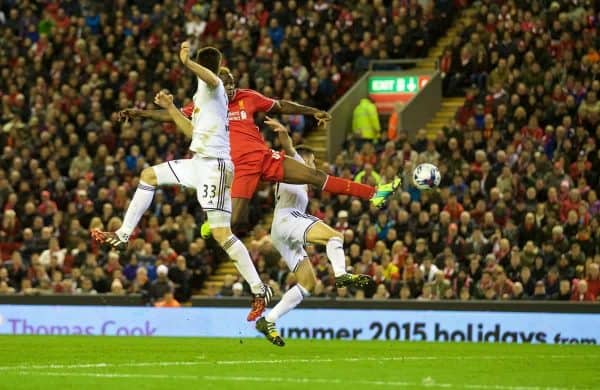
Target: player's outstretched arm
pixel 204 74
pixel 284 137
pixel 165 100
pixel 289 107
pixel 132 113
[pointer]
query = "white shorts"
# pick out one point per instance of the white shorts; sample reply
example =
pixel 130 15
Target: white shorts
pixel 288 233
pixel 210 177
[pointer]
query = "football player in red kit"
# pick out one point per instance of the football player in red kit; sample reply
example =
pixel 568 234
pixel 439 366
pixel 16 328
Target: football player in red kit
pixel 254 161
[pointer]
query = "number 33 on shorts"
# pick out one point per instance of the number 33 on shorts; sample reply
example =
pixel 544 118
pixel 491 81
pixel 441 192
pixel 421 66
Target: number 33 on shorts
pixel 210 191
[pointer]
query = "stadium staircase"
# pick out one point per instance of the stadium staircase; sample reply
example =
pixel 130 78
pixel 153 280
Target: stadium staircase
pixel 317 139
pixel 449 105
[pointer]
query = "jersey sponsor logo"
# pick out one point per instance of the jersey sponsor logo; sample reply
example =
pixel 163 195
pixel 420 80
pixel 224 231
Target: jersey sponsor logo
pixel 237 115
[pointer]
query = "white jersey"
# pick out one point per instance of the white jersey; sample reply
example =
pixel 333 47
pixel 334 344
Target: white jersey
pixel 291 196
pixel 210 136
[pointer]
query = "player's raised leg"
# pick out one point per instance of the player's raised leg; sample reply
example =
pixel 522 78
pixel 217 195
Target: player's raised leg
pixel 214 194
pixel 151 177
pixel 295 172
pixel 289 235
pixel 323 234
pixel 305 275
pixel 262 294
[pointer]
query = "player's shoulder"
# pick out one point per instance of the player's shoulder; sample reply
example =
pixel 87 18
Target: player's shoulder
pixel 249 93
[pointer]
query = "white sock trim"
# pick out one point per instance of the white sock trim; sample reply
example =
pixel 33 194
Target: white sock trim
pixel 303 290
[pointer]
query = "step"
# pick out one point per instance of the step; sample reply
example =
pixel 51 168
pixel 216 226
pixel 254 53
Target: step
pixel 426 64
pixel 445 115
pixel 321 139
pixel 209 283
pixel 226 269
pixel 433 128
pixel 432 133
pixel 217 278
pixel 440 121
pixel 451 105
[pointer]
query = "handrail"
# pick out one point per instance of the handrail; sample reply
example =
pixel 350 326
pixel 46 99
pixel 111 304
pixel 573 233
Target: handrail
pixel 394 62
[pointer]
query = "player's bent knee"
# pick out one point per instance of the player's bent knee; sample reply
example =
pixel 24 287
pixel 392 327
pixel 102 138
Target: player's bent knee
pixel 309 283
pixel 148 176
pixel 221 235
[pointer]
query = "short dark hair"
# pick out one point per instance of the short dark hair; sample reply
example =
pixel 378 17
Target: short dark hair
pixel 304 150
pixel 210 57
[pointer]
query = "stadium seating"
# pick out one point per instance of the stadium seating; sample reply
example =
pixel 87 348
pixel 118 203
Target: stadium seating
pixel 516 216
pixel 68 165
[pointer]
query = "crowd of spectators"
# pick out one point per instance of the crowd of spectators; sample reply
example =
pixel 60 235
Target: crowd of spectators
pixel 517 215
pixel 67 165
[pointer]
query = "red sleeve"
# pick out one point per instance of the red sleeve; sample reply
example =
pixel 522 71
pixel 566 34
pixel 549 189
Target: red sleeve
pixel 188 109
pixel 260 102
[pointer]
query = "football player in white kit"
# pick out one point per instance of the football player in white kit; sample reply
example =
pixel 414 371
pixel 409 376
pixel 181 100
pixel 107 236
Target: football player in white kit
pixel 291 230
pixel 209 171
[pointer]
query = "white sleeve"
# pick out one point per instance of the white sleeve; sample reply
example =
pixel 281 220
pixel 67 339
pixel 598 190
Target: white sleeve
pixel 298 158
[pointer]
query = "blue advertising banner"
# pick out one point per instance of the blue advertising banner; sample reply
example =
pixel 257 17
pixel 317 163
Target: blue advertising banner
pixel 349 324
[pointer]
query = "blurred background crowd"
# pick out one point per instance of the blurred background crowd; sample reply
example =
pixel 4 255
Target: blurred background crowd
pixel 516 216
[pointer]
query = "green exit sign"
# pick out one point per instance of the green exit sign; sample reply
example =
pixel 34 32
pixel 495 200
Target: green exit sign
pixel 392 84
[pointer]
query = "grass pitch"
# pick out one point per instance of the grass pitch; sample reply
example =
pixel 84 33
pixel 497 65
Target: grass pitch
pixel 71 362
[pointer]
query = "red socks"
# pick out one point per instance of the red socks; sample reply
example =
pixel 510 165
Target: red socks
pixel 339 186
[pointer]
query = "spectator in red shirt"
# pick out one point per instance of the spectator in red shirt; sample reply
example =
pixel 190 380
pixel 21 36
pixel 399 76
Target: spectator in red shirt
pixel 593 279
pixel 533 129
pixel 454 208
pixel 581 293
pixel 573 202
pixel 580 167
pixel 47 206
pixel 502 285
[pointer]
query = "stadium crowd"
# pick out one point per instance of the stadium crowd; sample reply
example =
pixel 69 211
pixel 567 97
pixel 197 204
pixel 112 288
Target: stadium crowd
pixel 67 165
pixel 517 215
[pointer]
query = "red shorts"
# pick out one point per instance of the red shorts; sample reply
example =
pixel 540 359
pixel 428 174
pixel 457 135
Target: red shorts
pixel 264 165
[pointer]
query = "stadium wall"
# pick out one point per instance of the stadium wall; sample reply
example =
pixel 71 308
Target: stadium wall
pixel 423 106
pixel 511 322
pixel 413 115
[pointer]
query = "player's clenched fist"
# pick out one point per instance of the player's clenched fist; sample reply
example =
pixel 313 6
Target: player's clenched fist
pixel 164 99
pixel 322 117
pixel 184 52
pixel 128 113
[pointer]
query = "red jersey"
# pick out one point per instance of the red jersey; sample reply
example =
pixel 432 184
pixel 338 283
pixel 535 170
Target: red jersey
pixel 244 135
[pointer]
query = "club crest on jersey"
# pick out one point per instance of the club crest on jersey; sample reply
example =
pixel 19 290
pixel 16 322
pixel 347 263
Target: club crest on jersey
pixel 275 155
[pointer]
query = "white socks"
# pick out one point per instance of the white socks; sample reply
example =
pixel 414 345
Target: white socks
pixel 241 258
pixel 290 300
pixel 141 201
pixel 335 253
